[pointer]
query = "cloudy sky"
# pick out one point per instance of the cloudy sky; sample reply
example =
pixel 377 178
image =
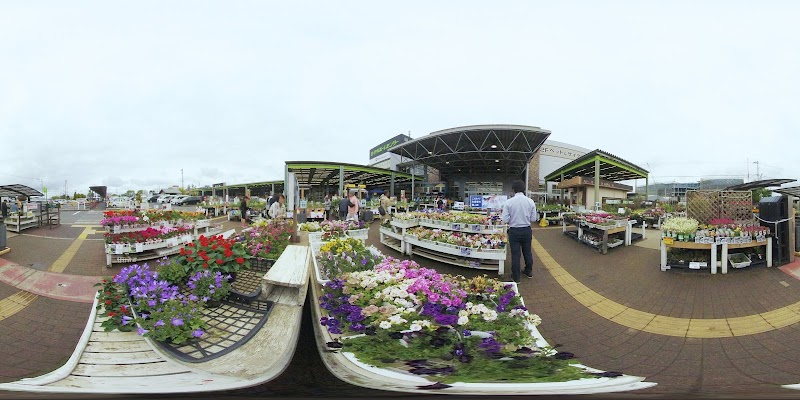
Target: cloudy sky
pixel 126 94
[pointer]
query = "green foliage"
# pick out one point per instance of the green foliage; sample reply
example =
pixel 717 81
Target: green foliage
pixel 173 321
pixel 172 271
pixel 113 303
pixel 382 351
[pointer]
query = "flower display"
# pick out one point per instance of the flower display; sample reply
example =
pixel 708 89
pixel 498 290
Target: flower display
pixel 120 220
pixel 311 226
pixel 680 225
pixel 267 239
pixel 346 254
pixel 149 235
pixel 207 286
pixel 341 226
pixel 415 318
pixel 472 240
pixel 214 253
pixel 162 312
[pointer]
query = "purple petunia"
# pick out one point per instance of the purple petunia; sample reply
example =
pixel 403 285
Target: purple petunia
pixel 177 321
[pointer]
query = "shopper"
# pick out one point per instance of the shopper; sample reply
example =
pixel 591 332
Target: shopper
pixel 352 207
pixel 344 202
pixel 278 209
pixel 4 210
pixel 327 205
pixel 383 210
pixel 519 212
pixel 243 211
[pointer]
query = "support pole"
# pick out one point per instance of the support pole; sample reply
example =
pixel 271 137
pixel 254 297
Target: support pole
pixel 563 200
pixel 341 180
pixel 596 183
pixel 391 185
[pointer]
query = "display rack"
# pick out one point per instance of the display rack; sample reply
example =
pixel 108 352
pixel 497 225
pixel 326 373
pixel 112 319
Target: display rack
pixel 607 241
pixel 489 259
pixel 134 252
pixel 666 243
pixel 17 223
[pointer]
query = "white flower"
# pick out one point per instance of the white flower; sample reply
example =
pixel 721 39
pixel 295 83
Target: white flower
pixel 463 320
pixel 534 319
pixel 423 322
pixel 415 327
pixel 397 319
pixel 463 313
pixel 490 315
pixel 385 324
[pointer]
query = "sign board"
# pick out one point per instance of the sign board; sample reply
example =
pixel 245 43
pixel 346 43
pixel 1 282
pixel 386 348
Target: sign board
pixel 385 146
pixel 458 205
pixel 668 241
pixel 476 201
pixel 303 203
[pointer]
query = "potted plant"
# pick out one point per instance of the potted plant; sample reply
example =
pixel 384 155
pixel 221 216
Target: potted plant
pixel 209 287
pixel 215 254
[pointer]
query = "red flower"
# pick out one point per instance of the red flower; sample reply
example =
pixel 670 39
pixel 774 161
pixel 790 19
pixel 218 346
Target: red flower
pixel 214 247
pixel 124 309
pixel 239 260
pixel 191 259
pixel 111 313
pixel 183 251
pixel 191 244
pixel 220 262
pixel 205 265
pixel 108 302
pixel 228 253
pixel 189 251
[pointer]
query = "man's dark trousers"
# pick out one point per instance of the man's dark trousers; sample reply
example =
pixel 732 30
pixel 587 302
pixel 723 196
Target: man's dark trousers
pixel 520 241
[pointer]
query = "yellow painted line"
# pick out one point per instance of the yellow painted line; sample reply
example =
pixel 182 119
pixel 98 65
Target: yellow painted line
pixel 664 325
pixel 4 251
pixel 15 303
pixel 61 263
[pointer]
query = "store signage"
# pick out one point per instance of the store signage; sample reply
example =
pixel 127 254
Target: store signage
pixel 218 184
pixel 385 146
pixel 560 152
pixel 476 201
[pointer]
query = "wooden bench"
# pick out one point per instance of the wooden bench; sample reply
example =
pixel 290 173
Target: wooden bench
pixel 287 279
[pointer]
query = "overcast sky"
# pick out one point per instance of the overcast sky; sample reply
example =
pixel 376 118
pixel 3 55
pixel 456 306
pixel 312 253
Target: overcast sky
pixel 126 94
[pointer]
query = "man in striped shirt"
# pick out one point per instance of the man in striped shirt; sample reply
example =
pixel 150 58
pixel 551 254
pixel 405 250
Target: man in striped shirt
pixel 519 212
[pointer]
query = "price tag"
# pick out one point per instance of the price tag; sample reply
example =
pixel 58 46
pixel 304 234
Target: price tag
pixel 455 227
pixel 697 265
pixel 139 247
pixel 476 227
pixel 118 248
pixel 761 239
pixel 668 241
pixel 466 251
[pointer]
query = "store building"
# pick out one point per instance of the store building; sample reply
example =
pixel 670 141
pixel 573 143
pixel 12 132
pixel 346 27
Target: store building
pixel 439 177
pixel 477 160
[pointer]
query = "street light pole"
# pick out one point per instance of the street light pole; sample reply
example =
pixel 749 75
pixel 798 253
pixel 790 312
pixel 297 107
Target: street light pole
pixel 181 178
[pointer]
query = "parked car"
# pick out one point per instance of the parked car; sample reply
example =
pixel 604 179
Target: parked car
pixel 164 198
pixel 187 200
pixel 153 199
pixel 175 200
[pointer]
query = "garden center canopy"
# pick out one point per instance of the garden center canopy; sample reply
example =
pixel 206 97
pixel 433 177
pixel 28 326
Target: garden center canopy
pixel 476 149
pixel 265 188
pixel 16 190
pixel 326 174
pixel 760 184
pixel 790 191
pixel 100 190
pixel 600 165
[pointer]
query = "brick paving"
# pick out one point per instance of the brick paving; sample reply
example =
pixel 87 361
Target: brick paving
pixel 42 336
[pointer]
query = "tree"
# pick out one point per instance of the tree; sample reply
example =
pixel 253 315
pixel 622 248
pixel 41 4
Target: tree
pixel 758 194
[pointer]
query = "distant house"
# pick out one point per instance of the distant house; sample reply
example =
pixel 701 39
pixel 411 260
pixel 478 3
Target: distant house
pixel 171 190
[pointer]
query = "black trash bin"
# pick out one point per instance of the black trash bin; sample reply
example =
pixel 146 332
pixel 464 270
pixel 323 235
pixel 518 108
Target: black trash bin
pixel 2 236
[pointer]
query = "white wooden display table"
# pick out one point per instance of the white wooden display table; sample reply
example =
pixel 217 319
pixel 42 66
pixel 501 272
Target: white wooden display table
pixel 603 245
pixel 490 259
pixel 712 247
pixel 16 223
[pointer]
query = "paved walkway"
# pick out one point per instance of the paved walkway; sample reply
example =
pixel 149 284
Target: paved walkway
pixel 693 333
